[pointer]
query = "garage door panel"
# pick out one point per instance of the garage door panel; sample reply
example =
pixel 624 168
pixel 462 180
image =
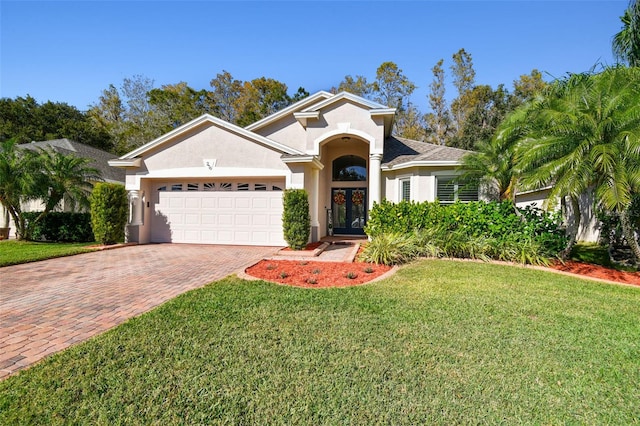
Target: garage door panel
pixel 243 203
pixel 276 203
pixel 176 203
pixel 192 219
pixel 218 217
pixel 225 202
pixel 260 203
pixel 192 203
pixel 209 203
pixel 209 219
pixel 225 220
pixel 260 219
pixel 243 220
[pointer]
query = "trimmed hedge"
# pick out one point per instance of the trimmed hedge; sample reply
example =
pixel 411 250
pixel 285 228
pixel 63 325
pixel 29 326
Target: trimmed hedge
pixel 296 221
pixel 500 221
pixel 62 227
pixel 109 212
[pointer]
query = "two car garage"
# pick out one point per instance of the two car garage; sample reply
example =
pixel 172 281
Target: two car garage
pixel 237 212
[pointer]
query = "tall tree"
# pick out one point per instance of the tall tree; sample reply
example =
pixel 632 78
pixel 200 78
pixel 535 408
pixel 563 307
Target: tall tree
pixel 225 95
pixel 464 80
pixel 176 104
pixel 439 120
pixel 528 86
pixel 485 109
pixel 127 114
pixel 109 116
pixel 411 124
pixel 25 120
pixel 626 43
pixel 391 87
pixel 358 86
pixel 259 98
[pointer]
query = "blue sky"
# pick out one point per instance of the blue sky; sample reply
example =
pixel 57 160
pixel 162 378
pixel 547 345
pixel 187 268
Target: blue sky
pixel 68 51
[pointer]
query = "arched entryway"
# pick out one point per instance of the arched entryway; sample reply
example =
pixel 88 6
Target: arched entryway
pixel 349 195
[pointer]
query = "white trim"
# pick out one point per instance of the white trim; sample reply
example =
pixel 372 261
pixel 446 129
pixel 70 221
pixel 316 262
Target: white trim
pixel 382 112
pixel 304 117
pixel 206 118
pixel 344 130
pixel 401 180
pixel 348 96
pixel 421 163
pixel 134 162
pixel 300 104
pixel 304 159
pixel 203 172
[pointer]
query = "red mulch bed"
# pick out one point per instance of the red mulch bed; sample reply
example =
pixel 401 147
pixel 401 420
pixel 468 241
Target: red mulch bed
pixel 302 273
pixel 596 271
pixel 309 247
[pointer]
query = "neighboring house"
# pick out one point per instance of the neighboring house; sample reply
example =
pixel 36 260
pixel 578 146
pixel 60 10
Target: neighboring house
pixel 98 159
pixel 212 182
pixel 589 229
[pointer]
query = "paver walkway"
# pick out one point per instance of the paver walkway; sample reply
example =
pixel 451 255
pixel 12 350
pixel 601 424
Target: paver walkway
pixel 48 306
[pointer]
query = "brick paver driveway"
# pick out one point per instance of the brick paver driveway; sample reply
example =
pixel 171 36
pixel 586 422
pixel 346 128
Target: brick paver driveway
pixel 49 305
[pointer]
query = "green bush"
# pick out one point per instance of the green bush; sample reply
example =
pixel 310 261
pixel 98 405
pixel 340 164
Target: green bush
pixel 61 226
pixel 296 221
pixel 109 211
pixel 477 230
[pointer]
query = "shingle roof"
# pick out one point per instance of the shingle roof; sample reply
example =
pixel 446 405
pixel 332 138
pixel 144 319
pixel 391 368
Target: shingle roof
pixel 399 150
pixel 98 157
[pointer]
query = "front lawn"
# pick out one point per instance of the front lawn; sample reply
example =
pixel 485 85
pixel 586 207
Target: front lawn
pixel 14 252
pixel 440 342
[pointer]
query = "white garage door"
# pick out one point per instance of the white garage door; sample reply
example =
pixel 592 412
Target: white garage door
pixel 220 212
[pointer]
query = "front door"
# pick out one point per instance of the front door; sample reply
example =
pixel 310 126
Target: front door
pixel 349 207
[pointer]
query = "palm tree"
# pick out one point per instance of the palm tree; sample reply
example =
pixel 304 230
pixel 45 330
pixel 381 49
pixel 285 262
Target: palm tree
pixel 626 43
pixel 586 134
pixel 62 177
pixel 492 163
pixel 44 175
pixel 18 174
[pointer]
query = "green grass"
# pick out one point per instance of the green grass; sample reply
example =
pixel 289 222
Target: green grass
pixel 14 252
pixel 441 342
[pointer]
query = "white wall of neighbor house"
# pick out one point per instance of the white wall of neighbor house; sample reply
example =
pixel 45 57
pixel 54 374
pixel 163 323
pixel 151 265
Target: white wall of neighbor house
pixel 589 229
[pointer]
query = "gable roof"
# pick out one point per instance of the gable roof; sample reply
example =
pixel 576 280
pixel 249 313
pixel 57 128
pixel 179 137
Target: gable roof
pixel 98 158
pixel 401 153
pixel 350 97
pixel 298 106
pixel 207 118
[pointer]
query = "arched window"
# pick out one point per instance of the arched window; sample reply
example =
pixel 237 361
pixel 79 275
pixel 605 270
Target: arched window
pixel 349 168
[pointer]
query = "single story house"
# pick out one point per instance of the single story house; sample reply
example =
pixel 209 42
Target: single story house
pixel 212 182
pixel 98 159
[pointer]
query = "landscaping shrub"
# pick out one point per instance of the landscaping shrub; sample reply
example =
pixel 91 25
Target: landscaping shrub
pixel 61 226
pixel 296 221
pixel 611 234
pixel 476 230
pixel 109 211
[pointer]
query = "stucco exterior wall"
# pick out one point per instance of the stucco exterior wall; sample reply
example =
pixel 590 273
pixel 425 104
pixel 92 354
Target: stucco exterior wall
pixel 346 119
pixel 423 182
pixel 212 142
pixel 287 131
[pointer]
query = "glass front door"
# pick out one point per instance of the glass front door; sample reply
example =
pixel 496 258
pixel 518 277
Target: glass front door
pixel 349 207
